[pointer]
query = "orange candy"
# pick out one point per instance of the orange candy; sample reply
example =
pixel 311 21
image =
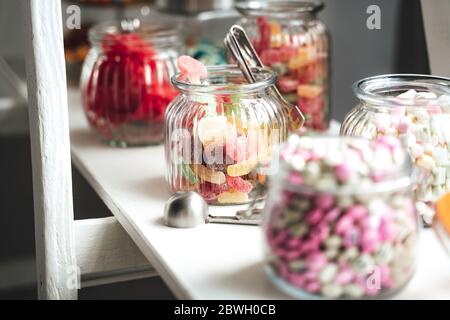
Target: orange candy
pixel 443 212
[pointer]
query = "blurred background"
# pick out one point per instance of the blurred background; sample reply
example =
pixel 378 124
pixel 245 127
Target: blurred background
pixel 357 52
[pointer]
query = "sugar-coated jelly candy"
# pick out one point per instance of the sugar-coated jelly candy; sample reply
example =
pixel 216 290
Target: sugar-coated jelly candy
pixel 234 197
pixel 192 68
pixel 209 175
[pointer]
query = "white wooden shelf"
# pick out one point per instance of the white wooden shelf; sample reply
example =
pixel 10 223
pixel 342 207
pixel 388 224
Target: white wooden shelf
pixel 211 261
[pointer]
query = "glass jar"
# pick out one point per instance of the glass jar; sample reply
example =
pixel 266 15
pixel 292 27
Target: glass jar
pixel 218 134
pixel 291 41
pixel 125 82
pixel 415 108
pixel 340 221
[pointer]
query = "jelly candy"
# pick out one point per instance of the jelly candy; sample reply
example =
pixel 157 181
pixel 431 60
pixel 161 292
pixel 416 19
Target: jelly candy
pixel 233 197
pixel 188 173
pixel 242 168
pixel 193 69
pixel 118 90
pixel 209 175
pixel 309 91
pixel 211 192
pixel 239 184
pixel 298 60
pixel 212 129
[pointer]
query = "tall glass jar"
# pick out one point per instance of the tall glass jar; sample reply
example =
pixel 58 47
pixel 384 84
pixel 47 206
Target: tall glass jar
pixel 415 108
pixel 340 221
pixel 218 134
pixel 125 82
pixel 291 40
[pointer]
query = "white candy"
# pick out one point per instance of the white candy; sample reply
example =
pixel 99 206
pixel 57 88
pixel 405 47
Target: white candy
pixel 353 291
pixel 328 273
pixel 410 94
pixel 332 291
pixel 298 162
pixel 427 162
pixel 426 95
pixel 440 176
pixel 382 121
pixel 419 114
pixel 437 193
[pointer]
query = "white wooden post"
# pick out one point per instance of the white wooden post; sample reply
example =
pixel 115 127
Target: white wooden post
pixel 50 147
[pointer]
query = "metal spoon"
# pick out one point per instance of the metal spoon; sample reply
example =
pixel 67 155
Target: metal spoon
pixel 189 210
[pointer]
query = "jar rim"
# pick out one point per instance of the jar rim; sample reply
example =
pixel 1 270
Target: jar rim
pixel 373 89
pixel 265 79
pixel 155 32
pixel 279 8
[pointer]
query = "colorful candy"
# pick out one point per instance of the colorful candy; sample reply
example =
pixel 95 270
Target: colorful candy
pixel 219 144
pixel 348 237
pixel 301 62
pixel 421 120
pixel 127 91
pixel 194 70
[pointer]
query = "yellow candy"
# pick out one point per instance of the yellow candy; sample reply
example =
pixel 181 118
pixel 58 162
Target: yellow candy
pixel 205 174
pixel 309 91
pixel 305 57
pixel 242 168
pixel 275 35
pixel 233 197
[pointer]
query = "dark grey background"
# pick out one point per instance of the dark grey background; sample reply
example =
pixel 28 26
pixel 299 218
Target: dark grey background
pixel 399 47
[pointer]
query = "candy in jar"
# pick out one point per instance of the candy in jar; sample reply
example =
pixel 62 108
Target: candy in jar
pixel 220 132
pixel 416 109
pixel 290 40
pixel 340 221
pixel 125 82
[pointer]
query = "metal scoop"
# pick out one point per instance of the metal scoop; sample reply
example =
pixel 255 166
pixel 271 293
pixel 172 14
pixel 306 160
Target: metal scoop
pixel 189 210
pixel 244 54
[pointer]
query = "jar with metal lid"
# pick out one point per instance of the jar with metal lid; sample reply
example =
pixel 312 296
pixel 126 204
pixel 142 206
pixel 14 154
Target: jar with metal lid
pixel 293 42
pixel 220 132
pixel 340 220
pixel 415 108
pixel 125 81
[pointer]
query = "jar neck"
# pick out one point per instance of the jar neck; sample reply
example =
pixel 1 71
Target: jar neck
pixel 146 38
pixel 226 80
pixel 382 92
pixel 290 11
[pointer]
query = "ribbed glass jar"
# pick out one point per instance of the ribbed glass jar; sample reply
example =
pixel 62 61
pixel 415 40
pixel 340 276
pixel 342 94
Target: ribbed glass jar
pixel 340 220
pixel 293 42
pixel 125 82
pixel 220 135
pixel 415 108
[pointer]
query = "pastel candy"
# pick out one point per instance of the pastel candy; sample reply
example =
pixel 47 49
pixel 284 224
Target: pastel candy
pixel 316 261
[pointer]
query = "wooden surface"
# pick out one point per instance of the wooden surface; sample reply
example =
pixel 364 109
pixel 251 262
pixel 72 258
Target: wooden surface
pixel 211 261
pixel 50 148
pixel 106 254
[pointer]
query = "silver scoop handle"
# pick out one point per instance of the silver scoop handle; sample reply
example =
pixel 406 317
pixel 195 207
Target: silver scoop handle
pixel 242 51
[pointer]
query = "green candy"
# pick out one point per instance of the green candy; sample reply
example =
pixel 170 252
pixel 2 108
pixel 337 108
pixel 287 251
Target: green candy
pixel 188 173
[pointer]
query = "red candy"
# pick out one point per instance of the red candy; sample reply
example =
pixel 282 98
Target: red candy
pixel 239 184
pixel 126 86
pixel 193 69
